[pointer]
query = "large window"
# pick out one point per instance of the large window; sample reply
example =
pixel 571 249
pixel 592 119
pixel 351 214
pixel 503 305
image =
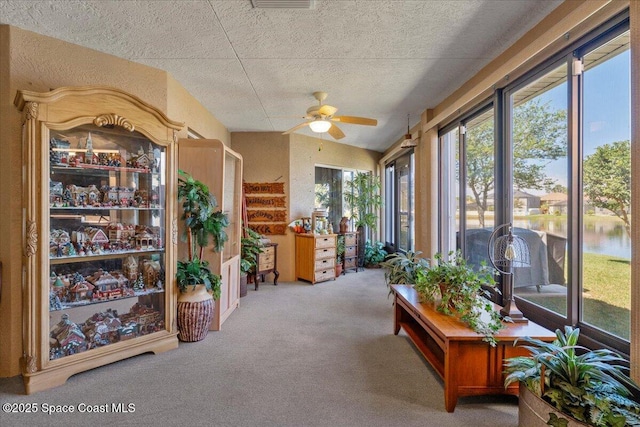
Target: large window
pixel 330 186
pixel 605 196
pixel 468 162
pixel 539 193
pixel 399 203
pixel 558 167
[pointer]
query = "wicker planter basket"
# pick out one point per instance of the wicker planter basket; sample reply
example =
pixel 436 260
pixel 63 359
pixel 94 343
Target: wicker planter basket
pixel 195 313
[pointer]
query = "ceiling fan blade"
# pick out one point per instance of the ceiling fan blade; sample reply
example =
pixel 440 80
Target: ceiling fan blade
pixel 327 110
pixel 356 120
pixel 335 132
pixel 295 128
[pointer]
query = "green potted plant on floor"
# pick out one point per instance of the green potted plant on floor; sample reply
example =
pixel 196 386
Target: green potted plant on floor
pixel 565 384
pixel 462 292
pixel 401 268
pixel 374 254
pixel 198 285
pixel 251 247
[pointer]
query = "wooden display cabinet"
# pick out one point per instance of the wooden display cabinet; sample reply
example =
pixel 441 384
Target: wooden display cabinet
pixel 220 168
pixel 100 231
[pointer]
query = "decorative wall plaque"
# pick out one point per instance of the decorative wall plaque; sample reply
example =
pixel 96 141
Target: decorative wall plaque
pixel 260 215
pixel 269 229
pixel 254 202
pixel 264 187
pixel 266 207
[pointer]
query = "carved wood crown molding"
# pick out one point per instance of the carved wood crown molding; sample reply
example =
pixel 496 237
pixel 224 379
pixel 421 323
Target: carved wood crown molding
pixel 32 238
pixel 31 111
pixel 113 119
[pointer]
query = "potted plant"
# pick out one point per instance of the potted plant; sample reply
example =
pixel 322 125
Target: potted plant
pixel 374 254
pixel 568 384
pixel 463 292
pixel 401 268
pixel 363 199
pixel 198 285
pixel 340 248
pixel 251 247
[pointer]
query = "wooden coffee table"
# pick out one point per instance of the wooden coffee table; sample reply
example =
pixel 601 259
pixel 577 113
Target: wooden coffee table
pixel 467 365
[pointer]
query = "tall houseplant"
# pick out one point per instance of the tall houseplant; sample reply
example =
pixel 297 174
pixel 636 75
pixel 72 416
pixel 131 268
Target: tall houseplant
pixel 198 285
pixel 589 386
pixel 363 199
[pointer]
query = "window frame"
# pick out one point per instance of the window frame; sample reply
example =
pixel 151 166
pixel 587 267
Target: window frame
pixel 503 163
pixel 392 209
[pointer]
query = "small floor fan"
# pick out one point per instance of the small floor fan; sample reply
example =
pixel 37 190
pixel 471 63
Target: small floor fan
pixel 506 252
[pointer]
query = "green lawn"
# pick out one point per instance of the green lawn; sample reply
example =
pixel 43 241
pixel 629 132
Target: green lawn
pixel 606 294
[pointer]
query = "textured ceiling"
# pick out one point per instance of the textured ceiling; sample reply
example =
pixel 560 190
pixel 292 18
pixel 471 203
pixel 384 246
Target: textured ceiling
pixel 250 67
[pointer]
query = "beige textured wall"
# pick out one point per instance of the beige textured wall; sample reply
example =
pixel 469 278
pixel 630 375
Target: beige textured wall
pixel 271 155
pixel 29 61
pixel 182 106
pixel 266 159
pixel 11 223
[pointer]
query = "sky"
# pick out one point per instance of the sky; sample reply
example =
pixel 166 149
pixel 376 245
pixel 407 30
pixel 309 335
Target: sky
pixel 607 108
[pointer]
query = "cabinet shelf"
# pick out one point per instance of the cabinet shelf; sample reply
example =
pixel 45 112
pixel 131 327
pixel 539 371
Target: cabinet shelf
pixel 99 257
pixel 101 208
pixel 87 169
pixel 84 303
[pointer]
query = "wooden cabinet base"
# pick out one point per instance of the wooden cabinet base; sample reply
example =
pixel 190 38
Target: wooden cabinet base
pixel 58 371
pixel 467 365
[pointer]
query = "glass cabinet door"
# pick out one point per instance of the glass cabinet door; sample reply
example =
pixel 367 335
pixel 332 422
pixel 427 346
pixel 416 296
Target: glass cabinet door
pixel 106 238
pixel 231 203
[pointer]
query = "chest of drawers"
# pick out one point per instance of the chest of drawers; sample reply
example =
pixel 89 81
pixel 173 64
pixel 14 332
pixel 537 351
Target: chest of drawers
pixel 350 258
pixel 266 263
pixel 315 257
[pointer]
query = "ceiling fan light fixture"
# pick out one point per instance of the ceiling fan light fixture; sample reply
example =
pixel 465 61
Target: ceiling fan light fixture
pixel 320 126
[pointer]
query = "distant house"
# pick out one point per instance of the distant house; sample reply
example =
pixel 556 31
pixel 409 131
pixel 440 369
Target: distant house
pixel 555 202
pixel 589 208
pixel 524 202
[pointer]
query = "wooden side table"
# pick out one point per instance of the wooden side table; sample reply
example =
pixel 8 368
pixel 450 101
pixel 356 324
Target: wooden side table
pixel 266 263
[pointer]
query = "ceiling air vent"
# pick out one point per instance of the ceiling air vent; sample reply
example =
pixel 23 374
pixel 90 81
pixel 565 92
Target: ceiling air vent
pixel 283 4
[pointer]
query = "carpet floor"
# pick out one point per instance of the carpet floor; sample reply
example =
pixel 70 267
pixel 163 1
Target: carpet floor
pixel 290 355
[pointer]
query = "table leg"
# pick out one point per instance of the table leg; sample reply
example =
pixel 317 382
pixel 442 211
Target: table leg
pixel 276 274
pixel 256 280
pixel 396 316
pixel 450 386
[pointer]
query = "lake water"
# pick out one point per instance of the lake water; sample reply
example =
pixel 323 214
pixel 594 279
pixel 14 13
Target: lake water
pixel 607 237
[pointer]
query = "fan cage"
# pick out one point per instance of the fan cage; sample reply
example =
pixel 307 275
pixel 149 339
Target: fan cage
pixel 522 254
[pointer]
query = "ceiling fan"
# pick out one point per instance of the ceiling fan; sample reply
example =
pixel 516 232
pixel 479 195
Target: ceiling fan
pixel 321 116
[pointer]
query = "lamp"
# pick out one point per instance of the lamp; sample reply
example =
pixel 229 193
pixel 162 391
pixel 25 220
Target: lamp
pixel 320 125
pixel 408 142
pixel 505 253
